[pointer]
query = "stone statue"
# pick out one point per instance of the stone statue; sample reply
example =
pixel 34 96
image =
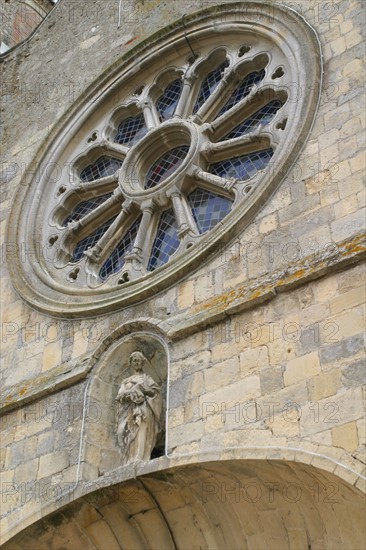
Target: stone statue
pixel 140 405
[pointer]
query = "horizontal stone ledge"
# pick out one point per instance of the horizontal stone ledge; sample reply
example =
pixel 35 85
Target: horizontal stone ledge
pixel 243 297
pixel 58 378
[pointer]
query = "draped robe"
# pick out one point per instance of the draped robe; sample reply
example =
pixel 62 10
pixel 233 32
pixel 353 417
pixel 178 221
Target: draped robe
pixel 139 417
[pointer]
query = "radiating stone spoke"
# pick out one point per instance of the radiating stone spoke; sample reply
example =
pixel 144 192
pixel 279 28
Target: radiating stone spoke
pixel 186 98
pixel 106 244
pixel 144 230
pixel 115 147
pixel 92 218
pixel 230 117
pixel 216 182
pixel 186 224
pixel 215 100
pixel 243 143
pixel 105 183
pixel 151 114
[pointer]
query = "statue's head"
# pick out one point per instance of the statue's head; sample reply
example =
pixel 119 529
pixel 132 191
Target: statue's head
pixel 137 360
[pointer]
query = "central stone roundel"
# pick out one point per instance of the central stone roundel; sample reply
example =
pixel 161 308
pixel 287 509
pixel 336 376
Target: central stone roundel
pixel 160 160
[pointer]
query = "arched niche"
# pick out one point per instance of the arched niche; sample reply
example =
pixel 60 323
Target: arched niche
pixel 101 452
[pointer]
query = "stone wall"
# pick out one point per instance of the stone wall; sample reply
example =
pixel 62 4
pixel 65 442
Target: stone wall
pixel 265 339
pixel 19 18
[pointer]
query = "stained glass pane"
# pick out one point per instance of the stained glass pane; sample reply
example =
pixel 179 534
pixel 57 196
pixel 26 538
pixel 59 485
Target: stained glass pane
pixel 166 240
pixel 131 130
pixel 90 240
pixel 84 207
pixel 209 85
pixel 208 209
pixel 263 117
pixel 116 260
pixel 243 89
pixel 168 102
pixel 165 166
pixel 242 168
pixel 104 166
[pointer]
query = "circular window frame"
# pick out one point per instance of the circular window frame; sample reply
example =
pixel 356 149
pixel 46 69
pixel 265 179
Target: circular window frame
pixel 29 272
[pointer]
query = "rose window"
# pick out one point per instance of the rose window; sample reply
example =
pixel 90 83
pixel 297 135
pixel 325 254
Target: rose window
pixel 182 156
pixel 166 158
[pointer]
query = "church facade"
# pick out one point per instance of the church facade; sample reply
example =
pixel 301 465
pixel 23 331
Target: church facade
pixel 183 277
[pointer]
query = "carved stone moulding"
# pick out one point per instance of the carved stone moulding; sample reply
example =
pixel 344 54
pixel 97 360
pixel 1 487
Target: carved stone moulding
pixel 156 128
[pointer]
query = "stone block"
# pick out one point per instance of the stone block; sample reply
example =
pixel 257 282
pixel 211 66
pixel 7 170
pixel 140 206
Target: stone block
pixel 329 156
pixel 203 288
pixel 27 472
pixel 353 38
pixel 357 162
pixel 346 206
pixel 347 300
pixel 314 314
pixel 192 411
pixel 309 339
pixel 349 225
pixel 213 423
pixel 226 350
pixel 195 385
pixel 52 463
pixel 222 374
pixel 185 294
pixel 324 385
pixel 52 355
pixel 177 392
pixel 352 278
pixel 299 208
pixel 354 375
pixel 268 224
pixel 285 424
pixel 271 380
pixel 328 138
pixel 332 411
pixel 253 359
pixel 325 289
pixel 176 417
pixel 185 434
pixel 193 363
pixel 353 67
pixel 342 349
pixel 241 392
pixel 342 326
pixel 175 371
pixel 80 345
pixel 345 436
pixel 301 368
pixel 281 349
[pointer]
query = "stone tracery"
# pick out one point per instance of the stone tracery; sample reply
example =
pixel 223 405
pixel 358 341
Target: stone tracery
pixel 153 226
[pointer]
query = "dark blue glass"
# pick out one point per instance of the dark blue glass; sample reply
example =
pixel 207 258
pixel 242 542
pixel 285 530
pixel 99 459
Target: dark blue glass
pixel 167 103
pixel 83 208
pixel 209 85
pixel 116 260
pixel 131 130
pixel 166 241
pixel 263 116
pixel 90 240
pixel 103 166
pixel 242 168
pixel 208 209
pixel 243 89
